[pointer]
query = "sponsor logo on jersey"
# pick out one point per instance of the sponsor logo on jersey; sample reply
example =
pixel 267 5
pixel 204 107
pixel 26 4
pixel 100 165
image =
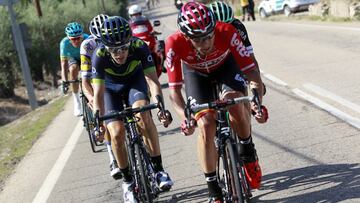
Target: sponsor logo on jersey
pixel 140 29
pixel 149 58
pixel 169 59
pixel 239 78
pixel 210 63
pixel 237 43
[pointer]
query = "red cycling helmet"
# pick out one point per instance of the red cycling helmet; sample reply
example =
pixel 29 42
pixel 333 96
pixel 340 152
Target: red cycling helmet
pixel 195 20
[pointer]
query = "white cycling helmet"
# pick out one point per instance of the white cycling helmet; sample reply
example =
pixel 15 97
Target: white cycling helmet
pixel 134 9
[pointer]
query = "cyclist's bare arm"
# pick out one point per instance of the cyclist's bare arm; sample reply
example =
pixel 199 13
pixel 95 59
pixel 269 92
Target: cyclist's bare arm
pixel 154 85
pixel 178 101
pixel 64 69
pixel 255 81
pixel 99 89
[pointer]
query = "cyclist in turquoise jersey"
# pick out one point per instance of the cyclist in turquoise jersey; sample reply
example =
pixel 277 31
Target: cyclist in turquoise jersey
pixel 70 60
pixel 87 48
pixel 123 68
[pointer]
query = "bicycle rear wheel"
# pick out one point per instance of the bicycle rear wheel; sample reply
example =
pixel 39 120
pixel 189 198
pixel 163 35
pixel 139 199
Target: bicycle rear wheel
pixel 145 187
pixel 233 183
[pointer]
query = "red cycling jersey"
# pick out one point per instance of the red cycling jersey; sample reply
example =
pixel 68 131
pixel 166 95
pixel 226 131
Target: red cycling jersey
pixel 142 29
pixel 180 50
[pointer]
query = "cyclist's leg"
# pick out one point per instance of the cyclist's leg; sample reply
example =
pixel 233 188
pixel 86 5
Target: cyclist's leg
pixel 138 97
pixel 112 100
pixel 199 92
pixel 241 120
pixel 74 67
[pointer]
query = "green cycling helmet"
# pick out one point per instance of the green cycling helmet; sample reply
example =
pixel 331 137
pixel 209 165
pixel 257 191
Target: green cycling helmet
pixel 73 29
pixel 223 12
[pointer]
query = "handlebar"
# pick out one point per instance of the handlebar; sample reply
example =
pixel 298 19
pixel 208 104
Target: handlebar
pixel 129 111
pixel 218 104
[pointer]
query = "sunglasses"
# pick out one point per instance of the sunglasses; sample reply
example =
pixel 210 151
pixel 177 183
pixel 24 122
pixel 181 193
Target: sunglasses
pixel 204 38
pixel 118 49
pixel 74 38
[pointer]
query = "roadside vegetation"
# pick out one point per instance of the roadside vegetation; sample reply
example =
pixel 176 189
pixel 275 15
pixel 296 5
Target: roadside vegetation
pixel 17 138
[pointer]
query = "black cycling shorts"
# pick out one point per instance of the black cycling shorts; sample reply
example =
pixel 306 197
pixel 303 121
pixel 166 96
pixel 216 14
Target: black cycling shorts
pixel 199 86
pixel 130 90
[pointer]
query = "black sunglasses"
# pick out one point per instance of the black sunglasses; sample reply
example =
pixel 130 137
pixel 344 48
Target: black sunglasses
pixel 204 38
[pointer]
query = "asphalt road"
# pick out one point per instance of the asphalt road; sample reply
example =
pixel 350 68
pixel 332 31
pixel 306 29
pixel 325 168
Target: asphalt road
pixel 309 149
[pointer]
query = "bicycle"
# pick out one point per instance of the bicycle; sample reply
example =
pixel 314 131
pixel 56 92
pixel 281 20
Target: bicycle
pixel 230 170
pixel 146 189
pixel 87 117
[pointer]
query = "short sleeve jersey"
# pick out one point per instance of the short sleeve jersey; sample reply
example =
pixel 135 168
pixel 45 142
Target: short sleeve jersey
pixel 180 50
pixel 104 68
pixel 87 49
pixel 67 50
pixel 240 27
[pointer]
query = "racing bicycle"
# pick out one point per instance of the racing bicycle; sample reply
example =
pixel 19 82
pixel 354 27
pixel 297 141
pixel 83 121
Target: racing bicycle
pixel 146 189
pixel 87 117
pixel 230 170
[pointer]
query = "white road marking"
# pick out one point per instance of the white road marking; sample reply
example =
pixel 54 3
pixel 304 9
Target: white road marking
pixel 320 91
pixel 325 26
pixel 275 80
pixel 332 110
pixel 50 181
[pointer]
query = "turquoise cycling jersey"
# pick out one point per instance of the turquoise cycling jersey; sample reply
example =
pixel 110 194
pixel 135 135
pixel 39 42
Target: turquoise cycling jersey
pixel 67 51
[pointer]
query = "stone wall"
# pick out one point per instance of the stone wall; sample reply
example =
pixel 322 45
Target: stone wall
pixel 338 8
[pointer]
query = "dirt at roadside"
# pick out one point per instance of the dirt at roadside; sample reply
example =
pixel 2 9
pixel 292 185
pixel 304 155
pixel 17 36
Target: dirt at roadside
pixel 17 106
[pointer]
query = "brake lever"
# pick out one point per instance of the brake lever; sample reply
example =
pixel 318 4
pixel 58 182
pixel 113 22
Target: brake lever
pixel 256 100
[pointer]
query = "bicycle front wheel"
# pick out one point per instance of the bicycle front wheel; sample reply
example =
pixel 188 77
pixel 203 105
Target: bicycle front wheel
pixel 233 183
pixel 87 119
pixel 145 188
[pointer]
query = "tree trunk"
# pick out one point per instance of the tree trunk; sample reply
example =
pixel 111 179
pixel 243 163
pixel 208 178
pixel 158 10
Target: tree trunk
pixel 38 8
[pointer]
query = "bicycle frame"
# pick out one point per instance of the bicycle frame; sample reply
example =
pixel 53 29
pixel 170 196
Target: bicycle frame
pixel 139 158
pixel 235 187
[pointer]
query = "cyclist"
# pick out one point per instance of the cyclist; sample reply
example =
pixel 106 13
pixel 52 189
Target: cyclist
pixel 204 51
pixel 70 60
pixel 142 29
pixel 223 12
pixel 124 66
pixel 86 51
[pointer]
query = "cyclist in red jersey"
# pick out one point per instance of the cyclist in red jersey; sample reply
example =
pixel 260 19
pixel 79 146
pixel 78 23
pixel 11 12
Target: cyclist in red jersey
pixel 142 29
pixel 204 51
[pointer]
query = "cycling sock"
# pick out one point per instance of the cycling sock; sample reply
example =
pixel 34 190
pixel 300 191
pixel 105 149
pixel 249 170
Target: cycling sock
pixel 247 150
pixel 246 141
pixel 157 162
pixel 111 155
pixel 126 174
pixel 213 185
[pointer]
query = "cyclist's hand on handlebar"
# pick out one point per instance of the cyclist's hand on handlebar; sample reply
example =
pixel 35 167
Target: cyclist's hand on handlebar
pixel 165 117
pixel 64 87
pixel 188 128
pixel 262 115
pixel 99 133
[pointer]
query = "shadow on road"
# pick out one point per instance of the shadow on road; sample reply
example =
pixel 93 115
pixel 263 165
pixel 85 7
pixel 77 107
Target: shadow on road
pixel 318 183
pixel 170 131
pixel 196 193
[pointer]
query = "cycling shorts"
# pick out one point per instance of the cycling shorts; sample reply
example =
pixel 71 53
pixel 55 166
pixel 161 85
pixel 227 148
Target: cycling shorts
pixel 198 86
pixel 72 61
pixel 130 90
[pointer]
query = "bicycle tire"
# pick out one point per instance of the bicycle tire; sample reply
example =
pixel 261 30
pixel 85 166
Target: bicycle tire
pixel 145 190
pixel 86 121
pixel 241 168
pixel 232 170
